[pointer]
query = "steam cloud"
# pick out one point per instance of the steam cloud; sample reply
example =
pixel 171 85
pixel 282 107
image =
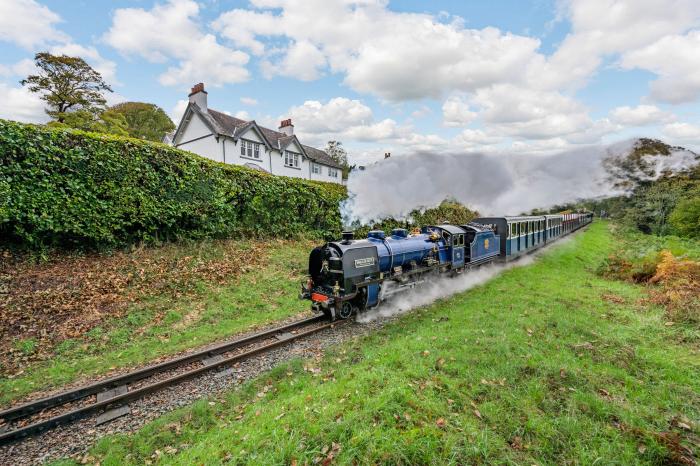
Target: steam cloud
pixel 427 293
pixel 493 184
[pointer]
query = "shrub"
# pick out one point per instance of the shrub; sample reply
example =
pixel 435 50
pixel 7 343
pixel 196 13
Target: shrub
pixel 70 188
pixel 685 217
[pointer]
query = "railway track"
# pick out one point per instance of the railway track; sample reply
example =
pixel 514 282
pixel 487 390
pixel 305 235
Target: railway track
pixel 111 394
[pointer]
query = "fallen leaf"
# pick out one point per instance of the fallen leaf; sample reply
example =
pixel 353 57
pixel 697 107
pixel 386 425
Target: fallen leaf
pixel 440 422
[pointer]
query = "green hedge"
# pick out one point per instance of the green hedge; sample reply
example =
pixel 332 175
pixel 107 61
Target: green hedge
pixel 70 188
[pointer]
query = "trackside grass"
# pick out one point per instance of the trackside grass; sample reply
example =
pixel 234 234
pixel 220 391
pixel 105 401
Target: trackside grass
pixel 545 364
pixel 174 319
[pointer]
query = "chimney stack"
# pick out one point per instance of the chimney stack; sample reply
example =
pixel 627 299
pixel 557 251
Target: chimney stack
pixel 287 127
pixel 387 155
pixel 199 96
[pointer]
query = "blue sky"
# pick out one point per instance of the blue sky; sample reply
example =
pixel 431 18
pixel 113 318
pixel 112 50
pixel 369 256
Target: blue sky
pixel 402 76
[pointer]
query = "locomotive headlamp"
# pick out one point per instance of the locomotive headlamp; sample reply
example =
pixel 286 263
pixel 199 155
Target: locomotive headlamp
pixel 336 289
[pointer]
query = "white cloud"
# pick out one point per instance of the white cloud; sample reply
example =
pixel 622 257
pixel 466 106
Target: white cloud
pixel 249 101
pixel 682 131
pixel 456 112
pixel 178 110
pixel 676 60
pixel 335 116
pixel 21 105
pixel 605 27
pixel 640 115
pixel 394 55
pixel 28 24
pixel 22 68
pixel 243 115
pixel 302 60
pixel 529 113
pixel 170 31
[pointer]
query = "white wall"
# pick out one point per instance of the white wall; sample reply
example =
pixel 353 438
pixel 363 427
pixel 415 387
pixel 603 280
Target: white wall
pixel 194 129
pixel 206 147
pixel 278 167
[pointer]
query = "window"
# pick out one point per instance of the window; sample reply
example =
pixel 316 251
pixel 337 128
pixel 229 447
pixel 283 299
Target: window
pixel 250 149
pixel 291 159
pixel 315 168
pixel 333 172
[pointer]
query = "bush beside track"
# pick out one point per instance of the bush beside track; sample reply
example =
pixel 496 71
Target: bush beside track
pixel 71 188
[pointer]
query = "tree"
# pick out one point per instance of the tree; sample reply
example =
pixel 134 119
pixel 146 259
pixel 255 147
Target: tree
pixel 107 121
pixel 685 218
pixel 145 121
pixel 67 84
pixel 337 152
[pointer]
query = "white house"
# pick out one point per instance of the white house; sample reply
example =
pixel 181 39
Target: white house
pixel 223 138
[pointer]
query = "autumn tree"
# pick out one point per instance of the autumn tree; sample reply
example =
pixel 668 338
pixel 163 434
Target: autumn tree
pixel 144 120
pixel 67 84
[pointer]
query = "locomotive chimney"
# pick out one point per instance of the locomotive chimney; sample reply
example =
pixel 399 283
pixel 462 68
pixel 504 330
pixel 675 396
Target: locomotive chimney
pixel 287 127
pixel 348 237
pixel 199 96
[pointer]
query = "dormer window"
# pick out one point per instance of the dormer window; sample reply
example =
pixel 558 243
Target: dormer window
pixel 250 149
pixel 292 159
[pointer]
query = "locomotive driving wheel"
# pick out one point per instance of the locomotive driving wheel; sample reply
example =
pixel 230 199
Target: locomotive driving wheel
pixel 345 310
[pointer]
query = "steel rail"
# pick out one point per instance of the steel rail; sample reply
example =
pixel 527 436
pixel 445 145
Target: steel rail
pixel 62 398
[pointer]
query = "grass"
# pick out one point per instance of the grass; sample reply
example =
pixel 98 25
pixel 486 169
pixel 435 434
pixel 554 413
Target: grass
pixel 546 364
pixel 163 324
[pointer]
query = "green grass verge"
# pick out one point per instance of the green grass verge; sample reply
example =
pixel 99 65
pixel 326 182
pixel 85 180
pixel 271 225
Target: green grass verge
pixel 259 297
pixel 546 364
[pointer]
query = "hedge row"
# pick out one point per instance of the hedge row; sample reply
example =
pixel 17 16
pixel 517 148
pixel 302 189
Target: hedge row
pixel 70 188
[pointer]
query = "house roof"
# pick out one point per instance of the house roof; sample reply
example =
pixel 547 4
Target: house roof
pixel 234 127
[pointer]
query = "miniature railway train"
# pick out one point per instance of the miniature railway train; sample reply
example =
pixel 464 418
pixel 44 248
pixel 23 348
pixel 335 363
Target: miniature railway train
pixel 350 275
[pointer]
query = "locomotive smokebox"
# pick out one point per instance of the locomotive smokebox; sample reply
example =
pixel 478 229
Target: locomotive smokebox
pixel 348 236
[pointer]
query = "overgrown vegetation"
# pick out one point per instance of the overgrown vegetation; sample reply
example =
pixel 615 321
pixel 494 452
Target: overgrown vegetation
pixel 70 188
pixel 669 266
pixel 546 364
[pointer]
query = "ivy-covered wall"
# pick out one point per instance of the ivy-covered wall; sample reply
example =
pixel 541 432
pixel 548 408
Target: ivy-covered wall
pixel 70 188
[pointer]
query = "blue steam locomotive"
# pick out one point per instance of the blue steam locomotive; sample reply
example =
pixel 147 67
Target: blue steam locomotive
pixel 352 275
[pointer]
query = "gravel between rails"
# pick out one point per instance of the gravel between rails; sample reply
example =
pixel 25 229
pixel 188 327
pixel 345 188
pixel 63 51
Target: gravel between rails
pixel 73 440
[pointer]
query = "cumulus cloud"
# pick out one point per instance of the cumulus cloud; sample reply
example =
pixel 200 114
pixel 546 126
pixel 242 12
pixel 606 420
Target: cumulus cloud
pixel 602 28
pixel 28 24
pixel 682 131
pixel 456 112
pixel 640 115
pixel 171 32
pixel 21 105
pixel 178 110
pixel 397 56
pixel 676 60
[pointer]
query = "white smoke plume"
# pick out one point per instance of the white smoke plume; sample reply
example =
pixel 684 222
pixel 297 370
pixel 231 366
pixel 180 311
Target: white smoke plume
pixel 431 291
pixel 493 184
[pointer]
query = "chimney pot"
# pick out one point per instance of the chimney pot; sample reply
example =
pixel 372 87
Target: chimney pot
pixel 199 96
pixel 286 127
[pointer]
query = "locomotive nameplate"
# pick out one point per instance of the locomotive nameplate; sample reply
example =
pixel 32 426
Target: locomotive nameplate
pixel 365 262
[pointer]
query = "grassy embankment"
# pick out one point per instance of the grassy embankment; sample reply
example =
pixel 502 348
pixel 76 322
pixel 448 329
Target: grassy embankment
pixel 133 307
pixel 546 364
